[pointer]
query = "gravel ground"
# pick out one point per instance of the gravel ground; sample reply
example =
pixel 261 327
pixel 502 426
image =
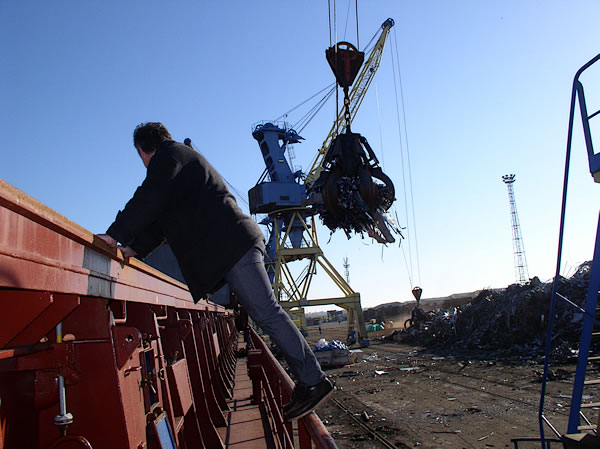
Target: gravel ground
pixel 411 398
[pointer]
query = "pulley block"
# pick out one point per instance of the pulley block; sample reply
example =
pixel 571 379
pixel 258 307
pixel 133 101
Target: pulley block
pixel 417 292
pixel 345 60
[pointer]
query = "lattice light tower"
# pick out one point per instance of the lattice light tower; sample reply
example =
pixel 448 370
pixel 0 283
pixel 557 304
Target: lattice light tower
pixel 347 270
pixel 521 272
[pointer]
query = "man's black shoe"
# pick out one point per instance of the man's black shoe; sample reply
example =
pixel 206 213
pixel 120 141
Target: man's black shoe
pixel 306 399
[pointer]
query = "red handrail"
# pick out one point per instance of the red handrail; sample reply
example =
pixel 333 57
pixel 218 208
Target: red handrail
pixel 269 378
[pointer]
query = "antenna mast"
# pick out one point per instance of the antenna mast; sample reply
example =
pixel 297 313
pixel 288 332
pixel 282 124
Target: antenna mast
pixel 521 272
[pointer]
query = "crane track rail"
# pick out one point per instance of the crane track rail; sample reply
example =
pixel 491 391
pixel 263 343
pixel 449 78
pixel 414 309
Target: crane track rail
pixel 416 432
pixel 431 369
pixel 412 430
pixel 383 440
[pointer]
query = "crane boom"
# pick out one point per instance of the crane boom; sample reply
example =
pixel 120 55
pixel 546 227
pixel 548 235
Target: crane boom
pixel 363 81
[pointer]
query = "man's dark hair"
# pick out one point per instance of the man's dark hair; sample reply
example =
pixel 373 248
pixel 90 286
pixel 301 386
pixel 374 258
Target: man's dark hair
pixel 147 136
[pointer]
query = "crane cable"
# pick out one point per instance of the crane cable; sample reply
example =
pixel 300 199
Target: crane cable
pixel 333 39
pixel 356 9
pixel 396 62
pixel 238 195
pixel 329 88
pixel 337 100
pixel 304 121
pixel 347 17
pixel 367 49
pixel 306 118
pixel 408 263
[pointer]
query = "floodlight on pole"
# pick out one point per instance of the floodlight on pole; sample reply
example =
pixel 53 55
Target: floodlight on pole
pixel 521 273
pixel 347 270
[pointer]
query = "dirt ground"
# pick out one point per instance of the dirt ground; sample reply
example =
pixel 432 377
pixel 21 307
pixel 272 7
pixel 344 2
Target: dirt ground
pixel 415 399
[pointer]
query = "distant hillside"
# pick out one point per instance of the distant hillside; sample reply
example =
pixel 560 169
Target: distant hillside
pixel 395 311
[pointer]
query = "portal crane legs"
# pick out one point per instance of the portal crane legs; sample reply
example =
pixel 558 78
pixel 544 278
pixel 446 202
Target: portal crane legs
pixel 292 291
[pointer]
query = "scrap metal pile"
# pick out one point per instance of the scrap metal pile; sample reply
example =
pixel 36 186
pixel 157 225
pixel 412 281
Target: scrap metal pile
pixel 352 199
pixel 507 322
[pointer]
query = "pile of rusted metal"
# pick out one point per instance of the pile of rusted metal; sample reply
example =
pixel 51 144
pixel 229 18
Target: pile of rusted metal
pixel 507 322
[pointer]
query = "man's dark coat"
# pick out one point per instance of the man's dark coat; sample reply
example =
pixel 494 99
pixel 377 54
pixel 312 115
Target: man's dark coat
pixel 185 200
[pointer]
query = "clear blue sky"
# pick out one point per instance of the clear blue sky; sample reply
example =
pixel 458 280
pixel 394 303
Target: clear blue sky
pixel 486 92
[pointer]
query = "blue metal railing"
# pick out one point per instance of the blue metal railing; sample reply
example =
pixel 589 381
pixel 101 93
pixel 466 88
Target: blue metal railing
pixel 590 306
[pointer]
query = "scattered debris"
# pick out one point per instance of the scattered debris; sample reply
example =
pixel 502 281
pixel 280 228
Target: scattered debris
pixel 553 374
pixel 356 355
pixel 324 345
pixel 333 353
pixel 412 368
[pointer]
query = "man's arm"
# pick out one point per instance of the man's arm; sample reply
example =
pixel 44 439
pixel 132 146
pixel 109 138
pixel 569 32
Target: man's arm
pixel 108 239
pixel 126 250
pixel 147 241
pixel 148 202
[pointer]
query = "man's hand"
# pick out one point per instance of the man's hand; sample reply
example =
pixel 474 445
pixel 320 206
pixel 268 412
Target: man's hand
pixel 108 239
pixel 127 251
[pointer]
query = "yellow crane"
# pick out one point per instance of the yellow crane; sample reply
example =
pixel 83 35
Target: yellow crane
pixel 291 205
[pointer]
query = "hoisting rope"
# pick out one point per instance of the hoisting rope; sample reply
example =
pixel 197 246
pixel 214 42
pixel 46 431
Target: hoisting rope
pixel 304 121
pixel 329 11
pixel 396 62
pixel 238 195
pixel 379 121
pixel 329 88
pixel 368 47
pixel 333 39
pixel 306 118
pixel 347 17
pixel 356 9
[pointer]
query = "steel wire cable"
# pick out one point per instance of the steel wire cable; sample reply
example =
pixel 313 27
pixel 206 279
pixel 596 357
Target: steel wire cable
pixel 410 279
pixel 412 202
pixel 347 17
pixel 316 110
pixel 356 9
pixel 329 87
pixel 329 12
pixel 305 119
pixel 238 195
pixel 406 169
pixel 368 47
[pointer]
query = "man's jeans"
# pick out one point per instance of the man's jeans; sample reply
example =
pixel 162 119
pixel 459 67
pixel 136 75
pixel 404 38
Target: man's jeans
pixel 249 281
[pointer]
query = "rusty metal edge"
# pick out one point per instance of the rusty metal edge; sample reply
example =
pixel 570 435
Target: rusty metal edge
pixel 19 202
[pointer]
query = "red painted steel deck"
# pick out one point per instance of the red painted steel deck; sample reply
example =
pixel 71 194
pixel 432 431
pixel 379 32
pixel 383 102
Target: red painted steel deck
pixel 44 251
pixel 142 365
pixel 245 423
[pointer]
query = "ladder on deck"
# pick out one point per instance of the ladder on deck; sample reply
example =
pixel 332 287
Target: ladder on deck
pixel 584 419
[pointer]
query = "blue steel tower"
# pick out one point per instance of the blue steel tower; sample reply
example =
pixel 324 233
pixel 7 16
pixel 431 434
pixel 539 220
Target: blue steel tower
pixel 521 273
